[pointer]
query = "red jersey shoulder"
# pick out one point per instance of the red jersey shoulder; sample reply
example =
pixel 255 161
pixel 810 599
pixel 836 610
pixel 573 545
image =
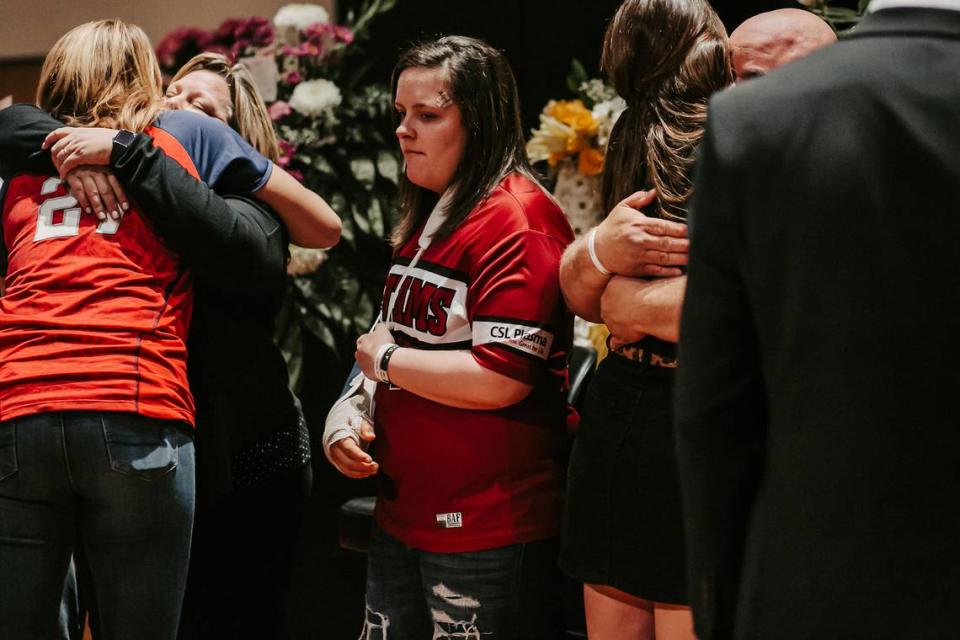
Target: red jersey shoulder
pixel 518 204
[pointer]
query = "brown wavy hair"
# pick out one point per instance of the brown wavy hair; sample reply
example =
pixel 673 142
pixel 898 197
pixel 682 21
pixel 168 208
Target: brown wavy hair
pixel 102 74
pixel 666 58
pixel 481 83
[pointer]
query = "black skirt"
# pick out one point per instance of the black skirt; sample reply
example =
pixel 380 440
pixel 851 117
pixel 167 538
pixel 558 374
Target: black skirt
pixel 623 524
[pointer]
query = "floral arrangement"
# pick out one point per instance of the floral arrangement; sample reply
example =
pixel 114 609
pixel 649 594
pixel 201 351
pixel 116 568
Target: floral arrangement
pixel 572 139
pixel 336 133
pixel 577 129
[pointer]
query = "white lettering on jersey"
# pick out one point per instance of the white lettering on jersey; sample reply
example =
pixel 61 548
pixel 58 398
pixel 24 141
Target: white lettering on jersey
pixel 427 306
pixel 69 224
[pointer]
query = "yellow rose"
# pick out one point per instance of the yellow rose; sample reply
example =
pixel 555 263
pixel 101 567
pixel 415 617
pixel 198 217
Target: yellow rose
pixel 568 111
pixel 590 162
pixel 584 124
pixel 556 109
pixel 576 143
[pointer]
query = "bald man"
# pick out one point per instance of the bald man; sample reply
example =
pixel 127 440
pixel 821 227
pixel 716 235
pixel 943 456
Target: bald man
pixel 769 40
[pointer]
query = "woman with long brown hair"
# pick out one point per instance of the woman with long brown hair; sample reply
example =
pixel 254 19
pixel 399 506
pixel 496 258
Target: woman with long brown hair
pixel 471 353
pixel 623 528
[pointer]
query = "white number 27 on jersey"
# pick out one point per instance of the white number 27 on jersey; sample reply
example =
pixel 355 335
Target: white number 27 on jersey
pixel 69 224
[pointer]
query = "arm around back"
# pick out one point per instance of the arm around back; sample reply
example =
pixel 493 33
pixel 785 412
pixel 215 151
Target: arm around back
pixel 310 220
pixel 23 128
pixel 230 244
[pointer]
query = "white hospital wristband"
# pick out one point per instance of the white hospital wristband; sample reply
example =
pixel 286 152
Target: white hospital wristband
pixel 592 250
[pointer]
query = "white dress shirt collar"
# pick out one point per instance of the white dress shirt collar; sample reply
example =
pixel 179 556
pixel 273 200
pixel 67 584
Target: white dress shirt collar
pixel 879 5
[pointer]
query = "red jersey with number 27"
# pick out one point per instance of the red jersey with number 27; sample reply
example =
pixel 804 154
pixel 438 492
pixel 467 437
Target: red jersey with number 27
pixel 95 314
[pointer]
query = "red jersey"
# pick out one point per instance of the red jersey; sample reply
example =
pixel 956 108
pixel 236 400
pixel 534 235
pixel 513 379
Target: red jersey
pixel 95 314
pixel 463 480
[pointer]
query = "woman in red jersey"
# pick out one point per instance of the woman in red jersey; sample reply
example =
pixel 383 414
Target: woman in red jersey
pixel 95 436
pixel 471 355
pixel 253 468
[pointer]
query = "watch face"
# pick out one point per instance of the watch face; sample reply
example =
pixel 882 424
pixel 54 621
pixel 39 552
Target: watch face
pixel 124 138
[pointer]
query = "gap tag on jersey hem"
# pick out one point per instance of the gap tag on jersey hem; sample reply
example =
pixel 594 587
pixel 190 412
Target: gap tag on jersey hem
pixel 450 520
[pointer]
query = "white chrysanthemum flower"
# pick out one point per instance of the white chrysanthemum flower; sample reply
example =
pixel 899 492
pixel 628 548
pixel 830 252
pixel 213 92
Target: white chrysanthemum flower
pixel 300 16
pixel 606 114
pixel 597 90
pixel 315 97
pixel 551 137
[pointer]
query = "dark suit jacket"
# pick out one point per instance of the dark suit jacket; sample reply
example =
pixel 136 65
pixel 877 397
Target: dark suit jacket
pixel 817 397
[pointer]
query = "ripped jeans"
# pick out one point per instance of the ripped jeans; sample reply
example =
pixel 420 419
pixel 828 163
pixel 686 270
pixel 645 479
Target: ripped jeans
pixel 508 593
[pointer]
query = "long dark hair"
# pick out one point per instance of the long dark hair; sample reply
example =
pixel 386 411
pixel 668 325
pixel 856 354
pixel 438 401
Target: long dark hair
pixel 481 84
pixel 666 58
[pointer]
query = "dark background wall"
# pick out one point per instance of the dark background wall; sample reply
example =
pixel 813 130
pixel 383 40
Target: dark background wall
pixel 540 37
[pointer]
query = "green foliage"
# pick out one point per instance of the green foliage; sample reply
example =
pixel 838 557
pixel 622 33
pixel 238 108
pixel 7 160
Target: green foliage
pixel 350 157
pixel 577 77
pixel 842 19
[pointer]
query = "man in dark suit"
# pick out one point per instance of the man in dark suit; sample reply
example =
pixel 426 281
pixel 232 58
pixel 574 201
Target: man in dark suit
pixel 817 421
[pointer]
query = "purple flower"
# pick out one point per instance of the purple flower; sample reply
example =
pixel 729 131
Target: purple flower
pixel 343 34
pixel 286 156
pixel 180 45
pixel 256 30
pixel 224 33
pixel 238 35
pixel 263 35
pixel 293 77
pixel 279 110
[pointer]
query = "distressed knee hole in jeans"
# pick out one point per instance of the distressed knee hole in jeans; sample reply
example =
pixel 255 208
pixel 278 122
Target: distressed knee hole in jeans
pixel 375 626
pixel 447 626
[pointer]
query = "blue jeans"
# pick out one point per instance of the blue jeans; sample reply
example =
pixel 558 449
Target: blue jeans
pixel 119 485
pixel 508 593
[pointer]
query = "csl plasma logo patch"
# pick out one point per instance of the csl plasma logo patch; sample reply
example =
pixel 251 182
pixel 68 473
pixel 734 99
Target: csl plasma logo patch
pixel 531 340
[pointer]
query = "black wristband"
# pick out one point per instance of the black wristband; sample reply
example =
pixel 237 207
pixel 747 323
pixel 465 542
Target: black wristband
pixel 385 360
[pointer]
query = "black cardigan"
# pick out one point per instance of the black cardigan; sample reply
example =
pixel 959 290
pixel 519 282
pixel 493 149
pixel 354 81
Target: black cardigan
pixel 249 423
